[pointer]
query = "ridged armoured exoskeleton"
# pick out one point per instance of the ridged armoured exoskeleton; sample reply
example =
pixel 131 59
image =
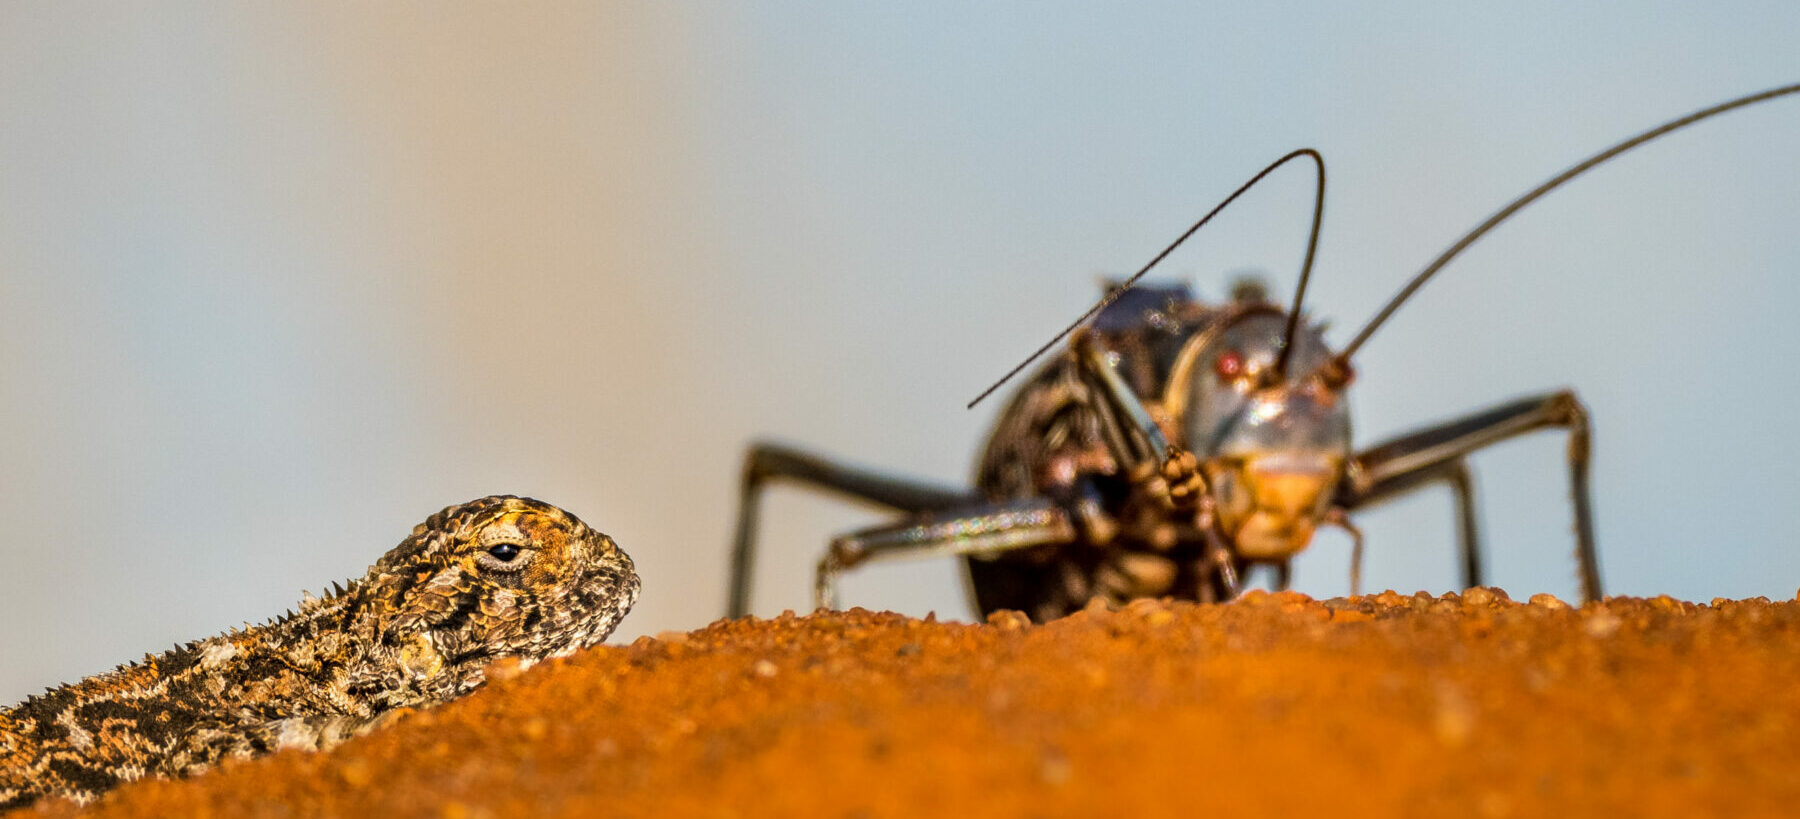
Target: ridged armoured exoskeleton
pixel 1174 444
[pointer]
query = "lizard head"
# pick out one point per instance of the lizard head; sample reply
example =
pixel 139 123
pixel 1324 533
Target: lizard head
pixel 496 577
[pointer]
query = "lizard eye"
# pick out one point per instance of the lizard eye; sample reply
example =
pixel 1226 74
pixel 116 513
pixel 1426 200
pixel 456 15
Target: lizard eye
pixel 504 557
pixel 504 552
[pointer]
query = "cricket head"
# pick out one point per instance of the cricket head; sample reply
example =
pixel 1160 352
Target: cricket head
pixel 497 577
pixel 1275 470
pixel 1272 446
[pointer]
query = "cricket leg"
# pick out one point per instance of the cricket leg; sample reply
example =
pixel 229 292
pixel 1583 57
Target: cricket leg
pixel 1454 474
pixel 973 530
pixel 767 461
pixel 1337 517
pixel 1167 474
pixel 1437 454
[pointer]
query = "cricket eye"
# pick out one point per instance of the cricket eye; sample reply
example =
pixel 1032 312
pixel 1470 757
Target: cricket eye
pixel 1229 365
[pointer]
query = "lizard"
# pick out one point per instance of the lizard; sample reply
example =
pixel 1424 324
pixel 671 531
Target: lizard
pixel 498 577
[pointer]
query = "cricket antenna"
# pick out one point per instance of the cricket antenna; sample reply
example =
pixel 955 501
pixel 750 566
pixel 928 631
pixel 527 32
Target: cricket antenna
pixel 1340 364
pixel 1312 247
pixel 1112 295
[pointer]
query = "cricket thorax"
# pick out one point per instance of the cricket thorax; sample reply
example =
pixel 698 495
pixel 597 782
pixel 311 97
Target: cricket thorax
pixel 1199 371
pixel 493 578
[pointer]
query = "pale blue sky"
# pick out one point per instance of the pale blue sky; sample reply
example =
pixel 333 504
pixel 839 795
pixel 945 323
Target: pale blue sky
pixel 277 283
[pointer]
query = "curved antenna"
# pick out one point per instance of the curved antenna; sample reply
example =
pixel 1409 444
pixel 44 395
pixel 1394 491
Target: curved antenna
pixel 1113 294
pixel 1343 358
pixel 1312 246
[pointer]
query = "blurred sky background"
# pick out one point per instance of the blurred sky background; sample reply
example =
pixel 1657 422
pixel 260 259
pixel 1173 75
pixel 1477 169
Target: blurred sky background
pixel 278 281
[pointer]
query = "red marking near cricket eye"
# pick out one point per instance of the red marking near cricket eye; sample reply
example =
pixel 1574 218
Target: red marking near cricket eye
pixel 1229 365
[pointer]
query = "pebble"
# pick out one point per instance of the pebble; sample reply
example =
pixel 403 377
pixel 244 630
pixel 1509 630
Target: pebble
pixel 1667 603
pixel 1008 620
pixel 1143 606
pixel 1548 601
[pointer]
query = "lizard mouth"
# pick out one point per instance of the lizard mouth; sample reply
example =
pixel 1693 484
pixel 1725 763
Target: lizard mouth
pixel 604 596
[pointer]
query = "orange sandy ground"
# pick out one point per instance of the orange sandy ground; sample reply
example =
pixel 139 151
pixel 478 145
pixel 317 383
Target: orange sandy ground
pixel 1274 705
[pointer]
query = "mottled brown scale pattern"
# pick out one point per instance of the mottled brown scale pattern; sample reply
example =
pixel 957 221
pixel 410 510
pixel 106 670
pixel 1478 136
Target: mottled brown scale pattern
pixel 496 577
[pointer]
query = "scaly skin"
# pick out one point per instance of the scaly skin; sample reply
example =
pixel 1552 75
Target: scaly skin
pixel 417 630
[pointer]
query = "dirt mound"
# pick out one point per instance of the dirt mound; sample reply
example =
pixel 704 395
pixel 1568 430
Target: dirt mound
pixel 1277 704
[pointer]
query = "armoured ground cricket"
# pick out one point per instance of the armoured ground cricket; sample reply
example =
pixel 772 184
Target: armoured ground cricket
pixel 1174 445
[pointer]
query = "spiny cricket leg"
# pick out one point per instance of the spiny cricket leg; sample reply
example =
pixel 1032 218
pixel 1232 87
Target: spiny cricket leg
pixel 975 530
pixel 1468 534
pixel 1338 518
pixel 767 461
pixel 1436 453
pixel 1456 475
pixel 1225 584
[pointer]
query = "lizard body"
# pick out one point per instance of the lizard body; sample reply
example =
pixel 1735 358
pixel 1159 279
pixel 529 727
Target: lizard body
pixel 492 578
